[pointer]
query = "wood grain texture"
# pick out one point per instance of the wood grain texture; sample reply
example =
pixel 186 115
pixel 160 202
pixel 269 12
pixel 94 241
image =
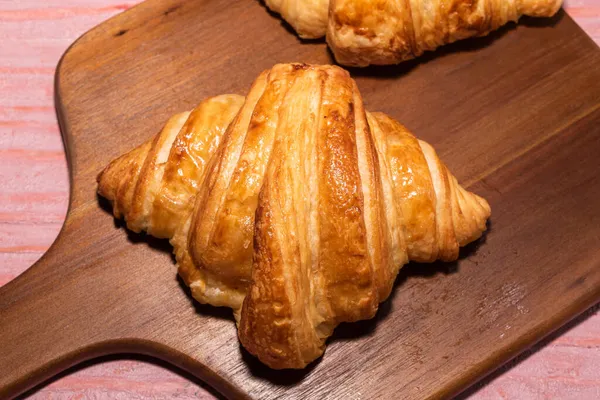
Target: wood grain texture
pixel 39 120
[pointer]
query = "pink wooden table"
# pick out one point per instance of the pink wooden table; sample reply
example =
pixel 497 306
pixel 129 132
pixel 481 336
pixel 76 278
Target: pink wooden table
pixel 33 202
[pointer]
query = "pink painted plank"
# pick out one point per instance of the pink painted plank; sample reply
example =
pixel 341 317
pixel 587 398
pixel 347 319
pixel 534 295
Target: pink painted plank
pixel 27 237
pixel 117 5
pixel 35 135
pixel 27 90
pixel 34 196
pixel 12 264
pixel 125 379
pixel 565 368
pixel 33 171
pixel 33 208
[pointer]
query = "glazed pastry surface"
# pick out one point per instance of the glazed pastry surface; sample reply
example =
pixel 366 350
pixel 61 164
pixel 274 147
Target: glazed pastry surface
pixel 363 32
pixel 293 206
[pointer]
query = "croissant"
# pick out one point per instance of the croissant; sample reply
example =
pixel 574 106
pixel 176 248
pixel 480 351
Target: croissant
pixel 293 206
pixel 363 32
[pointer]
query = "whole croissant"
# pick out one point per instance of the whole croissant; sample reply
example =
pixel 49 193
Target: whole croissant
pixel 363 32
pixel 293 206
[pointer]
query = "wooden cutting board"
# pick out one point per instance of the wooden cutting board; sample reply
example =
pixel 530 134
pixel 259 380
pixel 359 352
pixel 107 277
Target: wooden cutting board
pixel 514 115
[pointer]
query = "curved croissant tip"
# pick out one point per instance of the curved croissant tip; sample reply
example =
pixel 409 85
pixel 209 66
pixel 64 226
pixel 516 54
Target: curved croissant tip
pixel 486 206
pixel 101 188
pixel 99 176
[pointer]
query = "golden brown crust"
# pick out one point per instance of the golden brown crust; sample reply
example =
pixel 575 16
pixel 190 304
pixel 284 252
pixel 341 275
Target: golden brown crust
pixel 277 317
pixel 308 17
pixel 412 187
pixel 344 264
pixel 303 215
pixel 151 186
pixel 363 32
pixel 188 158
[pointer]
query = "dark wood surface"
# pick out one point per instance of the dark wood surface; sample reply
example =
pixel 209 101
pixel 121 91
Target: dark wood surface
pixel 514 115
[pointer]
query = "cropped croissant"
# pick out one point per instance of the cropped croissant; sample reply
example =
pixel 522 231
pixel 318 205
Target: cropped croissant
pixel 363 32
pixel 293 206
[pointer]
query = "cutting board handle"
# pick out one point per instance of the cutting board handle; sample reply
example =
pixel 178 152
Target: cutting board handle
pixel 39 337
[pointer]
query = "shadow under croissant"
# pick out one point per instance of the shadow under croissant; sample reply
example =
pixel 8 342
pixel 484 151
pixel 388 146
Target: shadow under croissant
pixel 470 45
pixel 344 332
pixel 206 310
pixel 361 329
pixel 137 238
